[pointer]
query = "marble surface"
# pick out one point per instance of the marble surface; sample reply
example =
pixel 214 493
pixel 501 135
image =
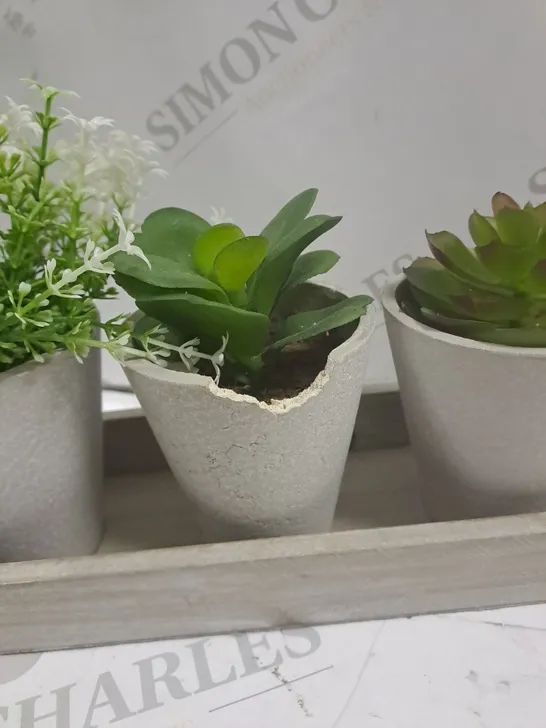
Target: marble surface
pixel 468 670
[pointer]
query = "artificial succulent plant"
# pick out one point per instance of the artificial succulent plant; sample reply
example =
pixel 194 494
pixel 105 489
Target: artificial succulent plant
pixel 211 283
pixel 494 292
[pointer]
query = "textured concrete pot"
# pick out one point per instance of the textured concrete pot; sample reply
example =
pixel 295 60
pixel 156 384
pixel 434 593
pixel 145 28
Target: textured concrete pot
pixel 256 470
pixel 476 415
pixel 51 459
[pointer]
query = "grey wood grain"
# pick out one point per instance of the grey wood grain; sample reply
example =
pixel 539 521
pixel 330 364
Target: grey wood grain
pixel 148 585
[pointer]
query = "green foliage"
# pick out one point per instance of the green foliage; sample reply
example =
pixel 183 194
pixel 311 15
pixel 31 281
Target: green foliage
pixel 57 232
pixel 209 282
pixel 494 292
pixel 41 220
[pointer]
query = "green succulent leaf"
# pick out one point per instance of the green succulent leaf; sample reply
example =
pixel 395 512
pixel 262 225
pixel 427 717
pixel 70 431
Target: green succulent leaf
pixel 518 228
pixel 481 230
pixel 171 233
pixel 428 275
pixel 436 289
pixel 495 293
pixel 142 323
pixel 529 338
pixel 139 289
pixel 535 283
pixel 453 254
pixel 291 215
pixel 511 264
pixel 164 273
pixel 486 332
pixel 277 266
pixel 235 264
pixel 309 265
pixel 247 330
pixel 306 325
pixel 540 213
pixel 451 324
pixel 502 201
pixel 214 240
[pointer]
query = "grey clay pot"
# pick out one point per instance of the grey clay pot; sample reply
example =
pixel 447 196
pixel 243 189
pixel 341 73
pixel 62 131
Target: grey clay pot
pixel 51 459
pixel 476 415
pixel 252 469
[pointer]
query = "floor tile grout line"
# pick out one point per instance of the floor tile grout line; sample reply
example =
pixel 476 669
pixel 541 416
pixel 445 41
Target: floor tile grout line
pixel 363 669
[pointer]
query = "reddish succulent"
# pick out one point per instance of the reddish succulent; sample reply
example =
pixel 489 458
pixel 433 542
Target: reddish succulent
pixel 493 292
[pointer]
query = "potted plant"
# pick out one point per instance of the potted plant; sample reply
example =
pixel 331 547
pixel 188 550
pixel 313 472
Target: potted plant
pixel 65 208
pixel 468 334
pixel 255 405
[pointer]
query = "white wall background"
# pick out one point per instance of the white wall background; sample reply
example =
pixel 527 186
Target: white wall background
pixel 406 114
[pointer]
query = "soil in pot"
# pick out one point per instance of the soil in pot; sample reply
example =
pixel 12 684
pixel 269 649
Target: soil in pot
pixel 293 371
pixel 289 372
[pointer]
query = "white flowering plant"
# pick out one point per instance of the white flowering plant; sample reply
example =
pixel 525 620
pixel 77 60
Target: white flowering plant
pixel 66 207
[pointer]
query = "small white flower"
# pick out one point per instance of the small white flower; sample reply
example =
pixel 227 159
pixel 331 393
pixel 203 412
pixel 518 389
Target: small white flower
pixel 218 359
pixel 218 216
pixel 107 269
pixel 75 292
pixel 10 150
pixel 189 354
pixel 48 274
pixel 96 263
pixel 126 239
pixel 67 277
pixel 24 289
pixel 124 339
pixel 79 356
pixel 156 350
pixel 47 91
pixel 120 167
pixel 88 125
pixel 19 122
pixel 89 250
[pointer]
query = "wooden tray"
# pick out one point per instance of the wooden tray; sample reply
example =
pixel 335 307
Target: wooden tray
pixel 383 560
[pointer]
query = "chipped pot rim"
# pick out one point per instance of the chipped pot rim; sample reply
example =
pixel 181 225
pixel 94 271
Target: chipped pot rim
pixel 359 339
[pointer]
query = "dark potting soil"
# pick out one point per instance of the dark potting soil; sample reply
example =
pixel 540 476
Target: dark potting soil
pixel 292 370
pixel 288 372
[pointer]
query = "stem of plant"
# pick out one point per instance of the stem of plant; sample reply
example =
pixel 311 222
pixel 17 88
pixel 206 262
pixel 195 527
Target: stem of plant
pixel 42 162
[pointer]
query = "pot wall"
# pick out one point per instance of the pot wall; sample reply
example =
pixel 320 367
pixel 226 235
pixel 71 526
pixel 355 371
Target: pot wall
pixel 255 470
pixel 476 415
pixel 51 456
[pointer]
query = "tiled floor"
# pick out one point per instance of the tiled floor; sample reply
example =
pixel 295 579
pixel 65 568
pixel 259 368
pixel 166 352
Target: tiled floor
pixel 480 670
